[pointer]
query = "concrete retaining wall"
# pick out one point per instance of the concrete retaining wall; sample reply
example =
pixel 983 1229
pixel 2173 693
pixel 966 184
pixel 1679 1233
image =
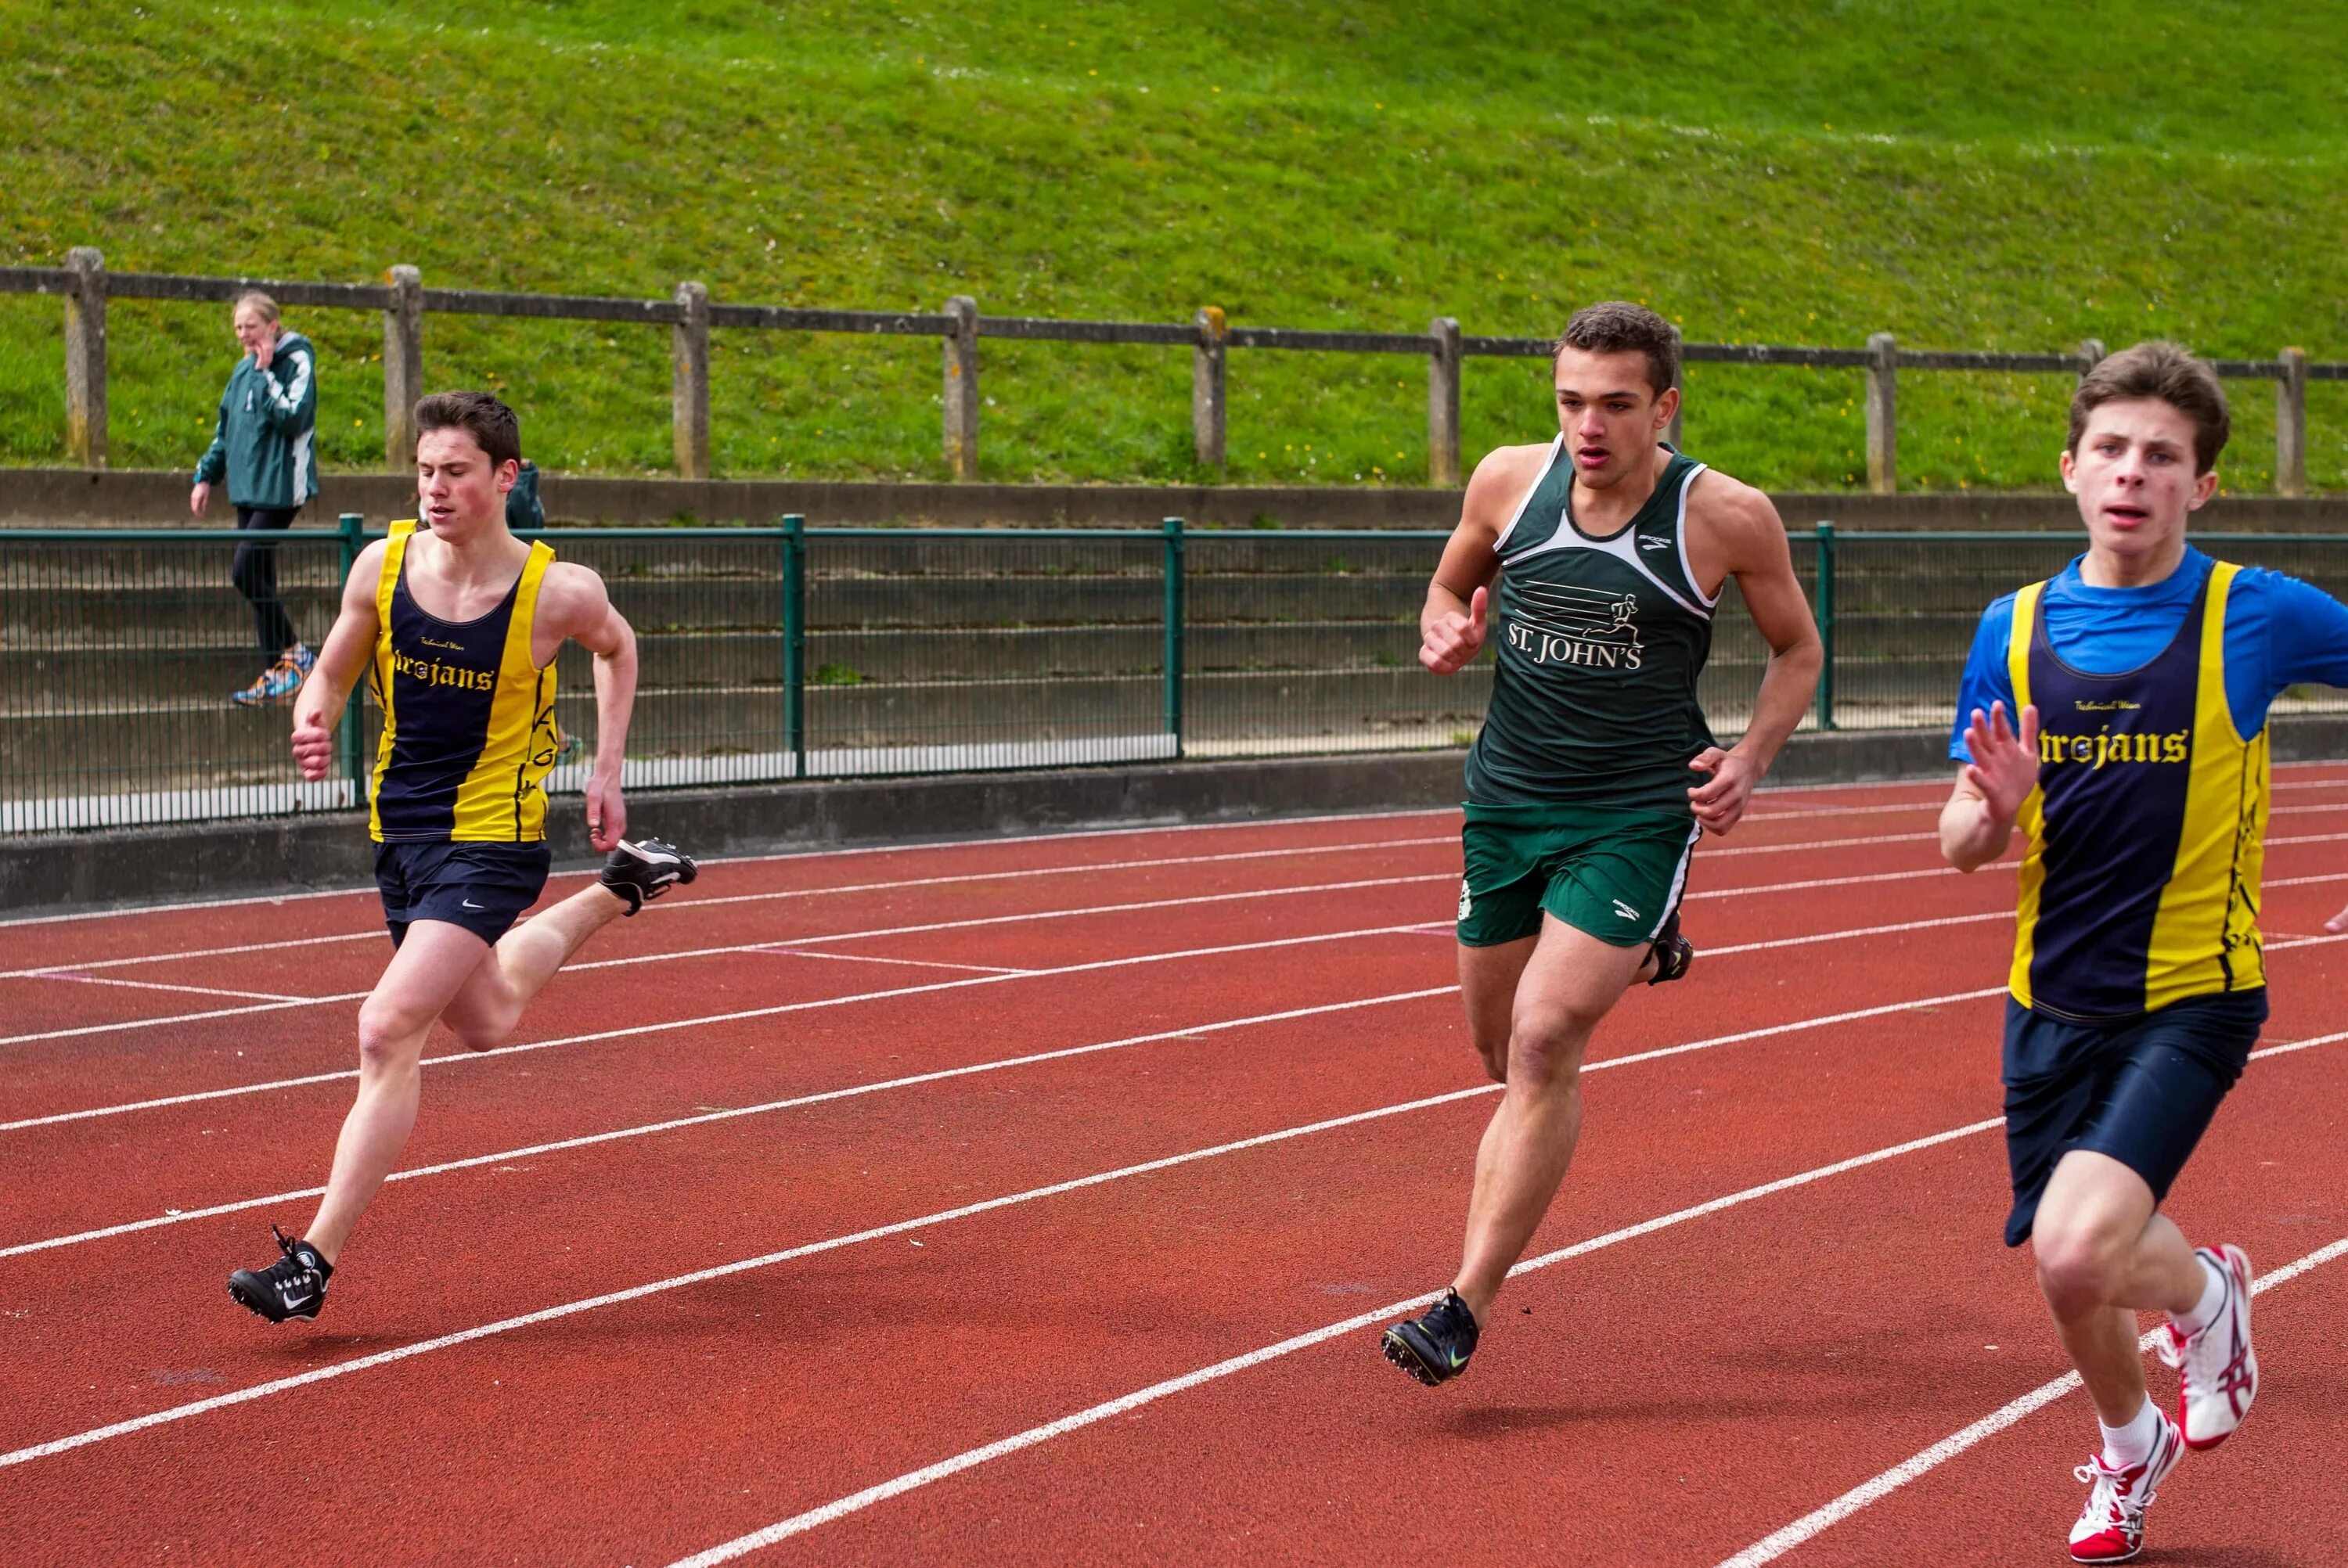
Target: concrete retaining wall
pixel 220 860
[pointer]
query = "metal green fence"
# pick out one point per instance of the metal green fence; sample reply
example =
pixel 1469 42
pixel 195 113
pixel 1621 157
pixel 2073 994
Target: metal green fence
pixel 795 652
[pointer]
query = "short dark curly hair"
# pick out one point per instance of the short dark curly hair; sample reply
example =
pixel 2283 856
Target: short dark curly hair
pixel 2168 372
pixel 485 417
pixel 1617 326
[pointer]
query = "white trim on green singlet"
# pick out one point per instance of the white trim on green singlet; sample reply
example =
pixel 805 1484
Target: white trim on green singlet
pixel 1679 532
pixel 1531 491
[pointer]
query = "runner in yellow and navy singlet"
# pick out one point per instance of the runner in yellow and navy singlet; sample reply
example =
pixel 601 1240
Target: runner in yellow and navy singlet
pixel 456 624
pixel 469 730
pixel 2139 679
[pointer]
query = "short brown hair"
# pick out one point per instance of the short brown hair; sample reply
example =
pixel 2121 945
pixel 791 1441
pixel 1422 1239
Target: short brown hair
pixel 490 421
pixel 2168 372
pixel 1616 326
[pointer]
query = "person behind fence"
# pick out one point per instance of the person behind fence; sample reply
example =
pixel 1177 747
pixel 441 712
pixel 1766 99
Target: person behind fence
pixel 264 448
pixel 2116 716
pixel 457 624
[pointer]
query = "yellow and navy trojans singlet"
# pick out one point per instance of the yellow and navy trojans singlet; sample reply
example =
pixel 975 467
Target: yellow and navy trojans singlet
pixel 469 730
pixel 2146 830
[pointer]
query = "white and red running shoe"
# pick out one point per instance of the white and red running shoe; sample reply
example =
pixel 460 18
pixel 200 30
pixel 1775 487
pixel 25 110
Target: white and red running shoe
pixel 2217 1374
pixel 2111 1528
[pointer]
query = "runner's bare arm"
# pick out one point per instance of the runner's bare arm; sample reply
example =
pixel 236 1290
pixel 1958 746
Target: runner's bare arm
pixel 1735 525
pixel 571 603
pixel 341 661
pixel 1452 624
pixel 1978 822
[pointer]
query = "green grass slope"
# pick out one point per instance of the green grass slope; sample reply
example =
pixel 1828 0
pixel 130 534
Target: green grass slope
pixel 1993 175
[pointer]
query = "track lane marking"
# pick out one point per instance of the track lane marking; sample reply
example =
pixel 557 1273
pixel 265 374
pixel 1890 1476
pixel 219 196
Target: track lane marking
pixel 769 942
pixel 676 1123
pixel 77 978
pixel 133 912
pixel 1771 1547
pixel 130 912
pixel 233 1091
pixel 700 1276
pixel 857 1501
pixel 676 905
pixel 667 1026
pixel 691 903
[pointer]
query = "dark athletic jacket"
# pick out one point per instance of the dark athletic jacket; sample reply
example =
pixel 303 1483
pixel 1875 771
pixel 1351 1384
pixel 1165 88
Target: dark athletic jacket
pixel 264 442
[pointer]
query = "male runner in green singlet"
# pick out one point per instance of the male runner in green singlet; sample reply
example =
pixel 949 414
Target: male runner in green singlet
pixel 1595 772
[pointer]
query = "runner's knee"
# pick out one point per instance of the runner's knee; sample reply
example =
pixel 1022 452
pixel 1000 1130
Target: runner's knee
pixel 388 1033
pixel 1545 1045
pixel 2080 1263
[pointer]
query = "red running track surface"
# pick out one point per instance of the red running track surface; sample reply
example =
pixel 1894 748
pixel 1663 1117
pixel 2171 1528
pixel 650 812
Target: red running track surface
pixel 1038 1201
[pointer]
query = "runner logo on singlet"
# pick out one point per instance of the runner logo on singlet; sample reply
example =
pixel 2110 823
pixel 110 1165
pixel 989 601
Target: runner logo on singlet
pixel 1558 623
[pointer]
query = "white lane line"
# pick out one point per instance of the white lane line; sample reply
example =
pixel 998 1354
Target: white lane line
pixel 703 1277
pixel 159 985
pixel 1798 814
pixel 673 904
pixel 784 893
pixel 1032 1195
pixel 733 948
pixel 783 952
pixel 1769 1548
pixel 1020 918
pixel 668 1026
pixel 1417 928
pixel 734 1113
pixel 806 855
pixel 184 1216
pixel 857 1501
pixel 923 928
pixel 1856 931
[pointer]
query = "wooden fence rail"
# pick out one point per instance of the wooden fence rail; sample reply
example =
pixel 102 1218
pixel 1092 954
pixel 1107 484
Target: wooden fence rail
pixel 691 315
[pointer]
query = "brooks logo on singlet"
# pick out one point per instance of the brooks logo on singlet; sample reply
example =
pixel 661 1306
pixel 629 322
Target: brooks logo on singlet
pixel 1600 642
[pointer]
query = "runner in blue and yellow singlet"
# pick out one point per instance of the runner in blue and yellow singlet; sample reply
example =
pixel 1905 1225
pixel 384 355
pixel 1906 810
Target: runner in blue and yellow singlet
pixel 456 624
pixel 2138 776
pixel 1595 772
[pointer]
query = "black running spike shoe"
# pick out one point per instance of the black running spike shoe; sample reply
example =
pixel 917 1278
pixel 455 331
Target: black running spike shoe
pixel 1674 953
pixel 292 1287
pixel 646 869
pixel 1434 1348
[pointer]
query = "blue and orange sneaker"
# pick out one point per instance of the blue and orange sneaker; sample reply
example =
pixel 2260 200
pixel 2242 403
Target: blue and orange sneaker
pixel 280 680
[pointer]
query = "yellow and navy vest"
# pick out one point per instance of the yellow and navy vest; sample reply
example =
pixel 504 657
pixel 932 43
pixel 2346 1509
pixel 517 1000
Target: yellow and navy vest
pixel 1600 640
pixel 469 730
pixel 2146 830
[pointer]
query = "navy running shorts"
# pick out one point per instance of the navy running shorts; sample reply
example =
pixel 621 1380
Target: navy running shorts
pixel 2141 1090
pixel 480 887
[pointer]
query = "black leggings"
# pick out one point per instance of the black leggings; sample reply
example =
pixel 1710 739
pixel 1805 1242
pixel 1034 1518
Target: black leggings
pixel 255 573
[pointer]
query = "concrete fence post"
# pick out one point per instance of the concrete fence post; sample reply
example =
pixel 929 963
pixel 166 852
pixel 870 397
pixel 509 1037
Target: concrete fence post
pixel 689 369
pixel 962 388
pixel 2291 424
pixel 1443 402
pixel 86 358
pixel 2091 354
pixel 1207 406
pixel 1672 433
pixel 403 367
pixel 1882 414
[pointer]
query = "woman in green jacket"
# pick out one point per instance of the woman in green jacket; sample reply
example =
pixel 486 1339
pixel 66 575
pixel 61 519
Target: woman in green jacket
pixel 264 446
